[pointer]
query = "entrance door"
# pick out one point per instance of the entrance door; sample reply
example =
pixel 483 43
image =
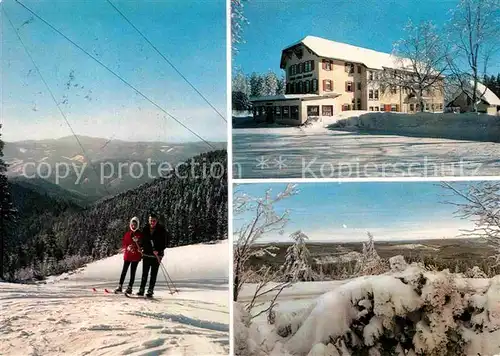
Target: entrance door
pixel 269 114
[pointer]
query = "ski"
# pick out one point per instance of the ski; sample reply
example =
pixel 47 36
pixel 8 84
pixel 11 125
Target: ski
pixel 134 296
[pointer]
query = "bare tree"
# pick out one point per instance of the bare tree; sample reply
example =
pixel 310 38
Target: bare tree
pixel 262 219
pixel 480 204
pixel 473 32
pixel 419 60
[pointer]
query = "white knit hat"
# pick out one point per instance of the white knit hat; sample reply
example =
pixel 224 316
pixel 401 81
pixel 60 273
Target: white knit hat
pixel 136 220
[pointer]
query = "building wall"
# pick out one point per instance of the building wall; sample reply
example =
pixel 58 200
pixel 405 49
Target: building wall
pixel 355 99
pixel 303 106
pixel 307 55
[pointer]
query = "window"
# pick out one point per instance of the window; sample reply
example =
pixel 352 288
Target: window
pixel 277 112
pixel 371 108
pixel 300 68
pixel 376 108
pixel 345 107
pixel 376 94
pixel 359 103
pixel 370 94
pixel 300 88
pixel 254 112
pixel 261 111
pixel 307 86
pixel 292 88
pixel 287 88
pixel 294 69
pixel 382 108
pixel 327 85
pixel 307 66
pixel 370 75
pixel 286 112
pixel 315 85
pixel 359 85
pixel 294 112
pixel 441 106
pixel 349 68
pixel 327 64
pixel 349 87
pixel 394 108
pixel 412 107
pixel 375 75
pixel 327 110
pixel 359 69
pixel 312 110
pixel 290 70
pixel 426 106
pixel 394 89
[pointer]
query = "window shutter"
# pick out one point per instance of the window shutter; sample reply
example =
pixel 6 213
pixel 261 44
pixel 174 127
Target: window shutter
pixel 312 65
pixel 324 84
pixel 346 86
pixel 331 85
pixel 323 64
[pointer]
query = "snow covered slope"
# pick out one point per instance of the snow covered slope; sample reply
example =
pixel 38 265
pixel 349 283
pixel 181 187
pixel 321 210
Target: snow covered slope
pixel 66 317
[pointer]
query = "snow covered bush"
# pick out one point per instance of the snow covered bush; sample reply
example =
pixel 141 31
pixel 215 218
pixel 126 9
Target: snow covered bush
pixel 408 311
pixel 241 320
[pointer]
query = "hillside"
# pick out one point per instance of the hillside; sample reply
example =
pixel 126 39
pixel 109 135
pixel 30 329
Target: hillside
pixel 192 205
pixel 114 162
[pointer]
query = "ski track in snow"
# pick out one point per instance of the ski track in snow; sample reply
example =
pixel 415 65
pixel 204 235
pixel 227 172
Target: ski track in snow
pixel 65 316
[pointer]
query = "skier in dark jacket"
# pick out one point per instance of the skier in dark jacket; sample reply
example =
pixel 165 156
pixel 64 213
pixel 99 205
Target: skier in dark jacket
pixel 154 243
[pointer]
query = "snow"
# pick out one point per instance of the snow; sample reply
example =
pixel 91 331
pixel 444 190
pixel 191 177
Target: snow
pixel 381 150
pixel 358 312
pixel 65 316
pixel 349 53
pixel 288 97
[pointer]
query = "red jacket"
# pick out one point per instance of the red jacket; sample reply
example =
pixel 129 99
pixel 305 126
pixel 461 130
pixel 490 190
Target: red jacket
pixel 131 251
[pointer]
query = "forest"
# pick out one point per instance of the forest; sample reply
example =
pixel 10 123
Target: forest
pixel 45 234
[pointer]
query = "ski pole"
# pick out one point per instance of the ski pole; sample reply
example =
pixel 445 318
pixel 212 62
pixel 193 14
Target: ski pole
pixel 167 277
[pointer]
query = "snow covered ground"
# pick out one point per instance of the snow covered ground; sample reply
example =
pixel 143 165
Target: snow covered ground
pixel 408 311
pixel 66 317
pixel 318 151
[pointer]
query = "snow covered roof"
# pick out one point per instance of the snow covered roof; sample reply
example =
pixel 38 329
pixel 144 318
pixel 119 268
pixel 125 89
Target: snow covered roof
pixel 482 92
pixel 292 97
pixel 349 53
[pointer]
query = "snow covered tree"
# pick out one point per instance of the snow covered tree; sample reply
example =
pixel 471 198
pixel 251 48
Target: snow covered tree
pixel 420 58
pixel 240 92
pixel 238 21
pixel 270 84
pixel 296 266
pixel 473 32
pixel 281 87
pixel 256 85
pixel 260 218
pixel 370 262
pixel 480 203
pixel 7 213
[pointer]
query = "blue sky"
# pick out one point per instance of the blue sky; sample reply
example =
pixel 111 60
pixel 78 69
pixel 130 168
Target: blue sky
pixel 191 33
pixel 374 24
pixel 346 211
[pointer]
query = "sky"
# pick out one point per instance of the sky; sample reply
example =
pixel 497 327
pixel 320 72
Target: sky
pixel 340 212
pixel 190 33
pixel 373 24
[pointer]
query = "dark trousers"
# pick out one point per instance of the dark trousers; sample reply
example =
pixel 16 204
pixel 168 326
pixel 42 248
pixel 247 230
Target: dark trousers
pixel 149 263
pixel 133 269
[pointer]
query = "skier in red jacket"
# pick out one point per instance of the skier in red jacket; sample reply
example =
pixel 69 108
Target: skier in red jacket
pixel 131 255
